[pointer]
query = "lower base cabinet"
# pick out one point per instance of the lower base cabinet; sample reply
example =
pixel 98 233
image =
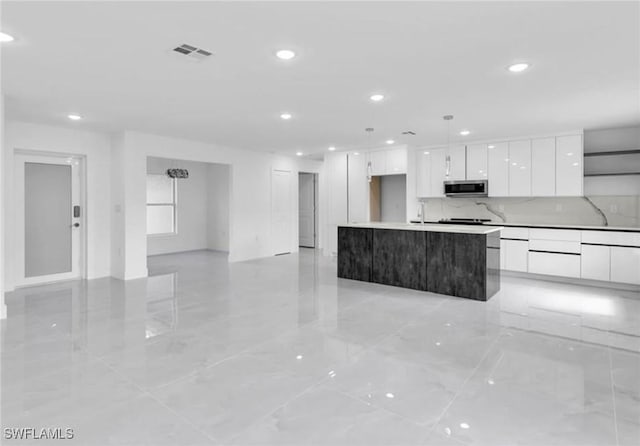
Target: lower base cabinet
pixel 554 264
pixel 596 263
pixel 354 253
pixel 516 255
pixel 400 258
pixel 625 265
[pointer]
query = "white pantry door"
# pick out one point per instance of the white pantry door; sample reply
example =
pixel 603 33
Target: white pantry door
pixel 48 219
pixel 306 210
pixel 281 211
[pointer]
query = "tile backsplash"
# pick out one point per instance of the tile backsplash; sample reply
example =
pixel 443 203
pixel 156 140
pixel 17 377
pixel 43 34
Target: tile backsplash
pixel 616 210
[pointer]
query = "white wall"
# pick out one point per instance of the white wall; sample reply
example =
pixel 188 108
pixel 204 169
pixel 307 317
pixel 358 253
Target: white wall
pixel 218 191
pixel 250 210
pixel 96 148
pixel 192 202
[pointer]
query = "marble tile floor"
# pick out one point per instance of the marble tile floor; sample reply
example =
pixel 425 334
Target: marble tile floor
pixel 280 351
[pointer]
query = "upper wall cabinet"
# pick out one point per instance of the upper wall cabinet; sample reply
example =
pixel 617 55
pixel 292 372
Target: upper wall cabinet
pixel 498 166
pixel 388 162
pixel 543 167
pixel 477 162
pixel 520 168
pixel 569 167
pixel 378 162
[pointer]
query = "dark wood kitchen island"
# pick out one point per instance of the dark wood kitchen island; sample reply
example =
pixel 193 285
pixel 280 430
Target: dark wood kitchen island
pixel 457 260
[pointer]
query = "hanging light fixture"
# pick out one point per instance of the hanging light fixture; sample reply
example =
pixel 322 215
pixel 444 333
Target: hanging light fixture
pixel 448 118
pixel 369 131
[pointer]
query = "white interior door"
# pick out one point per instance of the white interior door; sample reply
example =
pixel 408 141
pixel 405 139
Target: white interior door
pixel 48 219
pixel 281 211
pixel 306 210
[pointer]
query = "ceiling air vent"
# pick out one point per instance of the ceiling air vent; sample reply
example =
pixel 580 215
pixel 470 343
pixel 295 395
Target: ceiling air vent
pixel 192 52
pixel 408 132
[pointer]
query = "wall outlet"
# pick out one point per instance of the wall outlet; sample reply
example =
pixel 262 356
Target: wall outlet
pixel 613 208
pixel 501 207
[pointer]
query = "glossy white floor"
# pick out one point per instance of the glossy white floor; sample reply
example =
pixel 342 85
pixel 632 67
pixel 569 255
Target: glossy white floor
pixel 280 351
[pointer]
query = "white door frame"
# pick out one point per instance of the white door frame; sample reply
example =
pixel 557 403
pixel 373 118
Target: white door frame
pixel 78 188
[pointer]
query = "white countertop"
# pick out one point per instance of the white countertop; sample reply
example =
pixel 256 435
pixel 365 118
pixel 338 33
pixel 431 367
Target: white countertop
pixel 461 229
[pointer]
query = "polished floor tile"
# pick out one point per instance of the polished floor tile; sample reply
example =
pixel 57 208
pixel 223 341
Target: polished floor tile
pixel 281 351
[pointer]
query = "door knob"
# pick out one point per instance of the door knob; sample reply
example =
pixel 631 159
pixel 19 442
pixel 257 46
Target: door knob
pixel 76 225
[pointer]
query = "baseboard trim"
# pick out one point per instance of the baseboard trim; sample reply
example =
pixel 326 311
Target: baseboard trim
pixel 573 281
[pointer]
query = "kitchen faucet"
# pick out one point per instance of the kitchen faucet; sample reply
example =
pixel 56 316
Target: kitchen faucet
pixel 421 209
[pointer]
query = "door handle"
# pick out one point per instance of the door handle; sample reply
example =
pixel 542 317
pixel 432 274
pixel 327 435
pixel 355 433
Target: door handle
pixel 76 225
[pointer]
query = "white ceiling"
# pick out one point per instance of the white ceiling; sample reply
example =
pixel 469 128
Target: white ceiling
pixel 109 62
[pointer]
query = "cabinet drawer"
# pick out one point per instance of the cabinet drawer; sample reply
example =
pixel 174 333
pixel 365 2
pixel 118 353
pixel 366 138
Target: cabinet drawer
pixel 515 233
pixel 569 235
pixel 555 246
pixel 565 265
pixel 611 238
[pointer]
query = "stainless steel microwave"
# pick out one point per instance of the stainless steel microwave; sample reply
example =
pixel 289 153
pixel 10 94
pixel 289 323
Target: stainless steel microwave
pixel 469 188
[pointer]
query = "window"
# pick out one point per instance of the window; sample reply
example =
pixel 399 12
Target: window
pixel 161 204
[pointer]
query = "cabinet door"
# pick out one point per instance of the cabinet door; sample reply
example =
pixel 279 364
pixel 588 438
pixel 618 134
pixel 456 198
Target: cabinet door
pixel 498 166
pixel 423 173
pixel 516 255
pixel 569 168
pixel 396 161
pixel 520 168
pixel 477 162
pixel 595 262
pixel 625 265
pixel 378 162
pixel 543 167
pixel 358 188
pixel 457 163
pixel 438 171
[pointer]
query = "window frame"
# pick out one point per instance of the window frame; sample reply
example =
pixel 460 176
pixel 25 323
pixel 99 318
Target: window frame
pixel 174 204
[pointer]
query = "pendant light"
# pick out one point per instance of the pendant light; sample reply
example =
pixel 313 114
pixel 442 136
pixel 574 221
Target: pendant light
pixel 448 118
pixel 369 131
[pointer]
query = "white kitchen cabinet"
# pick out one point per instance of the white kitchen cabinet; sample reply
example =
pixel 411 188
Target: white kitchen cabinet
pixel 498 166
pixel 358 188
pixel 569 165
pixel 438 171
pixel 396 161
pixel 378 160
pixel 477 162
pixel 458 163
pixel 625 265
pixel 423 173
pixel 520 168
pixel 516 255
pixel 543 167
pixel 596 262
pixel 554 264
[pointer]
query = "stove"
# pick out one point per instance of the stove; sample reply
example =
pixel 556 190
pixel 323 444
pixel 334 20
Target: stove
pixel 464 221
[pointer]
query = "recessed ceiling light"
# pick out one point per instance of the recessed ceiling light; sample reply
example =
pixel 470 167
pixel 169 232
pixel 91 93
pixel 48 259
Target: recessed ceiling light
pixel 285 54
pixel 4 37
pixel 356 153
pixel 389 395
pixel 390 141
pixel 464 426
pixel 299 153
pixel 74 117
pixel 426 153
pixel 331 149
pixel 286 116
pixel 376 97
pixel 464 132
pixel 518 67
pixel 492 146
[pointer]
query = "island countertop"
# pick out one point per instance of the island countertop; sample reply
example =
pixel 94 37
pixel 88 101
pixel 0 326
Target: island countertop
pixel 460 229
